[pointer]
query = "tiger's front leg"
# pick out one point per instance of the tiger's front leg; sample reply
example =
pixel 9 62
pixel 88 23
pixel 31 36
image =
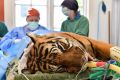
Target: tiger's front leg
pixel 73 57
pixel 71 60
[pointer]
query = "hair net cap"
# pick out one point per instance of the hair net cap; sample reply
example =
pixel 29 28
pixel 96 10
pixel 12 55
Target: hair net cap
pixel 70 4
pixel 33 12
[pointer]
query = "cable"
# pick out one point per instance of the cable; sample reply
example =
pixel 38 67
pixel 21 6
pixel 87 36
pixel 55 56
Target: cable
pixel 84 64
pixel 25 76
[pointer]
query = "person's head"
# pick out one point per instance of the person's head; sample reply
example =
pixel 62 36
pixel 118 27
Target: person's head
pixel 69 7
pixel 33 18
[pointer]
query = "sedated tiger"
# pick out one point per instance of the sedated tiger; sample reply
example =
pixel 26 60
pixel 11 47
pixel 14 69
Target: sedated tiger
pixel 63 52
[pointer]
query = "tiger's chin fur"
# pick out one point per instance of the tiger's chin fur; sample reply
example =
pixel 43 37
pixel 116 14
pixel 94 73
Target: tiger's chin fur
pixel 23 60
pixel 64 52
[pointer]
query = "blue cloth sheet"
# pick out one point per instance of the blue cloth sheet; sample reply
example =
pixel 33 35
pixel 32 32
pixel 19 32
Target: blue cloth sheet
pixel 14 50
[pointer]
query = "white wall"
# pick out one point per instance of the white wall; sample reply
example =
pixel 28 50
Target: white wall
pixel 93 18
pixel 9 13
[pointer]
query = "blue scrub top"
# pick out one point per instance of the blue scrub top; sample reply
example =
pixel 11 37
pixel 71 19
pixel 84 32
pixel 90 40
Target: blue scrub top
pixel 17 33
pixel 15 50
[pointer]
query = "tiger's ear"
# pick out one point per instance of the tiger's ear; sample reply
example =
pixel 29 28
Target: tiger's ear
pixel 32 36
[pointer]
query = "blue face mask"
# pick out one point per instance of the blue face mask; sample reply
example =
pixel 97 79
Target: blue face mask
pixel 32 25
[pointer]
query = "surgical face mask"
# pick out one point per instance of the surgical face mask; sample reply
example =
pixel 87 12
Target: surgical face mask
pixel 32 25
pixel 66 11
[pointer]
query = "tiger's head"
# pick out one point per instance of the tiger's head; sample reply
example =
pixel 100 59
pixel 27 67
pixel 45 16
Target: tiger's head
pixel 55 54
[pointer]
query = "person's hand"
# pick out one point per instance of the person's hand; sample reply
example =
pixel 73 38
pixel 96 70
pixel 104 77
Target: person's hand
pixel 17 40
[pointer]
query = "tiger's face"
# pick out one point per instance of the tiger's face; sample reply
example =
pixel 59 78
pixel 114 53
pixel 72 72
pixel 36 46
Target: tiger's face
pixel 54 54
pixel 41 55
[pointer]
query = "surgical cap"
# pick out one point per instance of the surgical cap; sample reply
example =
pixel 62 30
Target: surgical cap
pixel 70 4
pixel 33 12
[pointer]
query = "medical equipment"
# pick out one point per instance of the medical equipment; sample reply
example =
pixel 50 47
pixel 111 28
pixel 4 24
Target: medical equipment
pixel 115 53
pixel 100 64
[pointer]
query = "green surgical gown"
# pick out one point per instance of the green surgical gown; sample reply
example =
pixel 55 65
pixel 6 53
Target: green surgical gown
pixel 80 25
pixel 3 29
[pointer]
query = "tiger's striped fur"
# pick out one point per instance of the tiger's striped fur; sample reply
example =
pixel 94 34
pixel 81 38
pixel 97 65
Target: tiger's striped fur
pixel 51 52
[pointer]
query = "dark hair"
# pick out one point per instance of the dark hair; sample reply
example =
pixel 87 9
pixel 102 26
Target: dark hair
pixel 70 4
